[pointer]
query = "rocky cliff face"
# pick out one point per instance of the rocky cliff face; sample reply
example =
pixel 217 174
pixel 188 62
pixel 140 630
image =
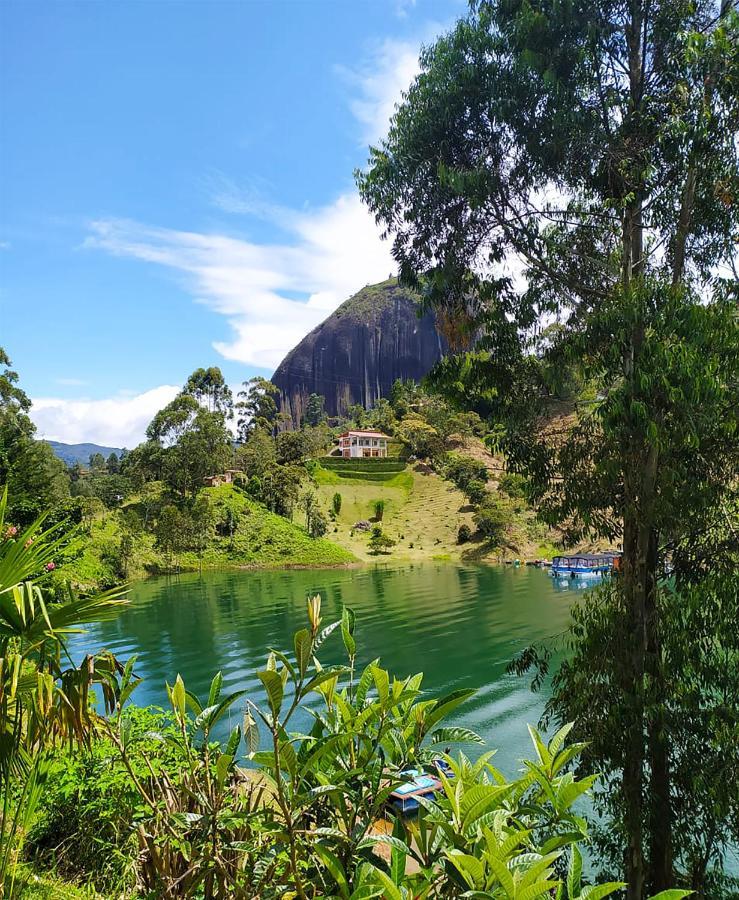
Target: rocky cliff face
pixel 356 354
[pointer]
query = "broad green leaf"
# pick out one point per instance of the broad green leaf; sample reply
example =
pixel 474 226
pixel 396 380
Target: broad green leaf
pixel 335 869
pixel 574 873
pixel 365 682
pixel 455 735
pixel 540 889
pixel 396 843
pixel 598 891
pixel 390 890
pixel 446 705
pixel 555 745
pixel 273 686
pixel 347 630
pixel 545 758
pixel 222 768
pixel 177 697
pixel 215 689
pixel 671 894
pixel 503 875
pixel 382 684
pixel 303 650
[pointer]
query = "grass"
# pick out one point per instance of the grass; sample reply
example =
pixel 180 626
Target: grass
pixel 46 886
pixel 422 512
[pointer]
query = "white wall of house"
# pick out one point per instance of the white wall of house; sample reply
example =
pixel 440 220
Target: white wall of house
pixel 360 446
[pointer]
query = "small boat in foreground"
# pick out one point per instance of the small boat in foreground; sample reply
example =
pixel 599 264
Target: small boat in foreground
pixel 404 799
pixel 585 564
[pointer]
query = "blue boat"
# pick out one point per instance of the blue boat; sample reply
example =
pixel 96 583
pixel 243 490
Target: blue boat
pixel 404 799
pixel 585 565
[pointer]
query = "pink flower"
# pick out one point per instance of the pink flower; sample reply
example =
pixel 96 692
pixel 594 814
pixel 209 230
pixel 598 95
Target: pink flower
pixel 50 566
pixel 28 542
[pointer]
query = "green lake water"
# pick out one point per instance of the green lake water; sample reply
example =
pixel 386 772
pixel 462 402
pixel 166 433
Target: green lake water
pixel 460 625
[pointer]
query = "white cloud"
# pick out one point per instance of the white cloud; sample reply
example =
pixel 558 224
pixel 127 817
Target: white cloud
pixel 331 253
pixel 379 83
pixel 71 382
pixel 402 7
pixel 114 422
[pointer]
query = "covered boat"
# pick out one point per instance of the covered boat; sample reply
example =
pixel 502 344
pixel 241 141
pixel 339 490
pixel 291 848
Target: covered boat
pixel 419 784
pixel 586 564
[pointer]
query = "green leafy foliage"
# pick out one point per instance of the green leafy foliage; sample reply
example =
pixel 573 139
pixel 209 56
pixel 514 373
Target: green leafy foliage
pixel 307 821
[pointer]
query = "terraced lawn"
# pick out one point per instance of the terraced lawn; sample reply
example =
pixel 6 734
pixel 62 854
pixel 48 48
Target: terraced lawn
pixel 422 512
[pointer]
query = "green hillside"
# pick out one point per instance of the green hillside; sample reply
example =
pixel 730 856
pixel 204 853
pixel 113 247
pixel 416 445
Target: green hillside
pixel 260 538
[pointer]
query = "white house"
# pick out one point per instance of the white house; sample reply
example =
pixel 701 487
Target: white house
pixel 363 443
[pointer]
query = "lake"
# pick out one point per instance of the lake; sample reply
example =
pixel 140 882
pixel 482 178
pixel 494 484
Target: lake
pixel 459 624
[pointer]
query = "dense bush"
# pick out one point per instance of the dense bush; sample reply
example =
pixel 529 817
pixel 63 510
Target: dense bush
pixel 379 508
pixel 336 503
pixel 380 542
pixel 476 491
pixel 493 518
pixel 464 533
pixel 91 809
pixel 463 470
pixel 514 485
pixel 318 525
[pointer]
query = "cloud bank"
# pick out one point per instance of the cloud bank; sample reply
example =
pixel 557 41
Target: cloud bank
pixel 114 422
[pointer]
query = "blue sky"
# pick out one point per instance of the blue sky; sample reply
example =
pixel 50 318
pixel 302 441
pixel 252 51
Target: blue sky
pixel 176 188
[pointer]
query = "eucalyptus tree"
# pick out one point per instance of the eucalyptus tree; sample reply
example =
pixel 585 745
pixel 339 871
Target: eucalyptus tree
pixel 192 440
pixel 578 162
pixel 257 407
pixel 209 387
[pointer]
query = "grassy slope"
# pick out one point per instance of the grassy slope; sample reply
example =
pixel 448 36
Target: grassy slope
pixel 41 885
pixel 420 509
pixel 424 510
pixel 262 539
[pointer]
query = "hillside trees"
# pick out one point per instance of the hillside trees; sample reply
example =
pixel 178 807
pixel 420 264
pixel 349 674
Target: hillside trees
pixel 187 442
pixel 257 407
pixel 36 479
pixel 209 388
pixel 315 411
pixel 595 145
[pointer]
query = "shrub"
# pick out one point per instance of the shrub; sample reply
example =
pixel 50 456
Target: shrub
pixel 90 806
pixel 476 491
pixel 514 485
pixel 462 470
pixel 336 503
pixel 380 542
pixel 379 507
pixel 493 518
pixel 464 533
pixel 318 524
pixel 316 835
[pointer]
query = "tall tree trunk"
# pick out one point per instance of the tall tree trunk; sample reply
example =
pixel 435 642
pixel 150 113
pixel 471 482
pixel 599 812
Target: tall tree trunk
pixel 639 468
pixel 633 773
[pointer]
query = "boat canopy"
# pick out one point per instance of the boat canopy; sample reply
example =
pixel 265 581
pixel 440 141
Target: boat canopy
pixel 586 560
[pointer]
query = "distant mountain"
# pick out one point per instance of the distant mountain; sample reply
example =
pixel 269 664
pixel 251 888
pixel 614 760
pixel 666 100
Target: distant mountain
pixel 81 453
pixel 356 354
